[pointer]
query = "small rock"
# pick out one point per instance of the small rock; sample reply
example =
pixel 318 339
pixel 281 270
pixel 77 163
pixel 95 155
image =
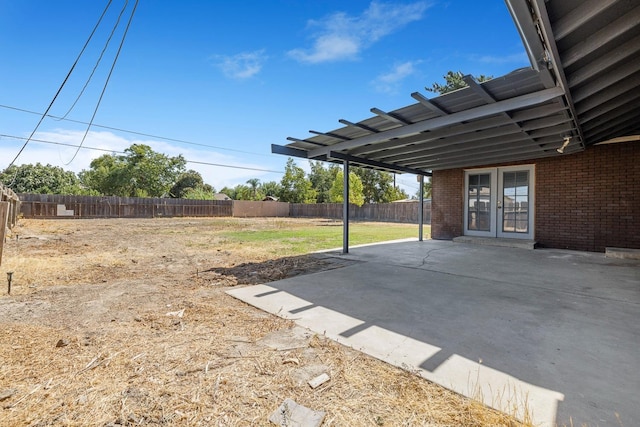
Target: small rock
pixel 319 380
pixel 7 393
pixel 302 375
pixel 62 343
pixel 178 313
pixel 137 319
pixel 291 414
pixel 82 399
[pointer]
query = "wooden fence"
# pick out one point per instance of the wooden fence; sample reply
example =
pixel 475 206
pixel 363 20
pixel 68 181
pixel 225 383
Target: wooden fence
pixel 9 211
pixel 56 206
pixel 383 212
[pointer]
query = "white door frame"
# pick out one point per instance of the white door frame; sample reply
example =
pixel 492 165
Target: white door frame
pixel 496 203
pixel 492 172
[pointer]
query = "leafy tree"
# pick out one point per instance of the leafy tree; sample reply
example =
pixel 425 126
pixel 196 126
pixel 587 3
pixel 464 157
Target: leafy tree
pixel 453 81
pixel 42 179
pixel 394 193
pixel 229 192
pixel 254 184
pixel 426 188
pixel 140 172
pixel 188 181
pixel 296 188
pixel 322 179
pixel 377 186
pixel 355 189
pixel 271 188
pixel 243 192
pixel 204 192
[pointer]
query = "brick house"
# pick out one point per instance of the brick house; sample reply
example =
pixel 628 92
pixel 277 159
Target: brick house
pixel 548 154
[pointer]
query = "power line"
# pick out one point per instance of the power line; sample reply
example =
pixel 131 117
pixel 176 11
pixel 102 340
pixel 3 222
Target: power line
pixel 95 67
pixel 106 83
pixel 133 132
pixel 84 147
pixel 62 85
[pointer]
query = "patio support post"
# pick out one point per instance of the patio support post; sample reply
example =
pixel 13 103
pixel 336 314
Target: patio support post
pixel 421 207
pixel 345 208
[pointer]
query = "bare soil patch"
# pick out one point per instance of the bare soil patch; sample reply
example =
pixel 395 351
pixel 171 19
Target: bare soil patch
pixel 125 322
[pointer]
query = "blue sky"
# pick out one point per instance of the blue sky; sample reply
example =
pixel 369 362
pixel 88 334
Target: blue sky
pixel 234 77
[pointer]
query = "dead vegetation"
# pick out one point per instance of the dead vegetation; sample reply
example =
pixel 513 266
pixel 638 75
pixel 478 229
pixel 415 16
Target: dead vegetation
pixel 116 322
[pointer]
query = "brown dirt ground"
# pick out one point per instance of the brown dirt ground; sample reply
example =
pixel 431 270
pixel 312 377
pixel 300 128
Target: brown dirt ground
pixel 125 322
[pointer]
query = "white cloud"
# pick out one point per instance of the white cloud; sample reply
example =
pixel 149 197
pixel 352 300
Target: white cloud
pixel 342 37
pixel 390 82
pixel 57 155
pixel 242 65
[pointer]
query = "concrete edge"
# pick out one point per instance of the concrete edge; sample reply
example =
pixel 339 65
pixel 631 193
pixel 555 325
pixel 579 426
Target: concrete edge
pixel 622 253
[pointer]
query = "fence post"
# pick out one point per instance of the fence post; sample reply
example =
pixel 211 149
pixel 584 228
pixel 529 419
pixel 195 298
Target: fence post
pixel 4 216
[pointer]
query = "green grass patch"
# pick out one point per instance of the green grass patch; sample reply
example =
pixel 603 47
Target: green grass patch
pixel 305 239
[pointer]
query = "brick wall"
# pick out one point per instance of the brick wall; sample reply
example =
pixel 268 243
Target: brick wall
pixel 590 200
pixel 447 203
pixel 585 201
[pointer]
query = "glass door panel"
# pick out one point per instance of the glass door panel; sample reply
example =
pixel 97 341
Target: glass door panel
pixel 499 202
pixel 515 202
pixel 479 202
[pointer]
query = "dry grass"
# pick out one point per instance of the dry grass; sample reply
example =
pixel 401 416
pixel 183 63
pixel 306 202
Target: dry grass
pixel 103 291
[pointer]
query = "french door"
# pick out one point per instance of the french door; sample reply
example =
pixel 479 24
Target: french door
pixel 499 202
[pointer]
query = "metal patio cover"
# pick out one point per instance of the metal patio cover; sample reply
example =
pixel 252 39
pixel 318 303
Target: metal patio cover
pixel 583 88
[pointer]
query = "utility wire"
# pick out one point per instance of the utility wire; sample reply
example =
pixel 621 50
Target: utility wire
pixel 84 147
pixel 104 88
pixel 95 67
pixel 182 141
pixel 61 86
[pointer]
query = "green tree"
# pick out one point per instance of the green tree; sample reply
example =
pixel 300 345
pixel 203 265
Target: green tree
pixel 453 81
pixel 42 179
pixel 378 186
pixel 322 179
pixel 229 192
pixel 189 181
pixel 140 172
pixel 204 192
pixel 356 195
pixel 242 192
pixel 426 188
pixel 296 188
pixel 254 185
pixel 271 188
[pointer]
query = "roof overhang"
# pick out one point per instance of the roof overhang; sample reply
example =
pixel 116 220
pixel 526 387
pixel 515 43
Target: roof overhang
pixel 582 89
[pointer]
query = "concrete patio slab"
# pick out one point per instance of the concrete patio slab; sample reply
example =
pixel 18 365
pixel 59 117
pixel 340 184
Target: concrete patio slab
pixel 552 332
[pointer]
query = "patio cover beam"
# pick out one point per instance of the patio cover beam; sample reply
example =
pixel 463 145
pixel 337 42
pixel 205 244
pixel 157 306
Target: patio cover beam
pixel 292 139
pixel 517 102
pixel 390 117
pixel 288 151
pixel 331 134
pixel 463 128
pixel 376 164
pixel 359 125
pixel 595 41
pixel 428 104
pixel 577 17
